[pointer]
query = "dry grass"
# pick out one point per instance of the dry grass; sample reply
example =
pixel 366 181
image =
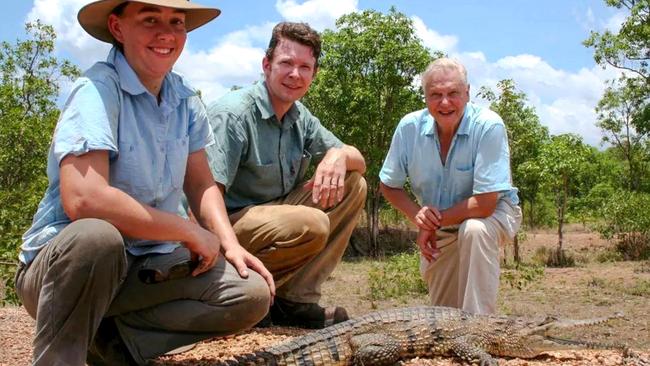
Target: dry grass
pixel 587 290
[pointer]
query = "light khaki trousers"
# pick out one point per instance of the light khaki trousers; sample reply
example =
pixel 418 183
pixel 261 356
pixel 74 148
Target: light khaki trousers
pixel 300 243
pixel 466 274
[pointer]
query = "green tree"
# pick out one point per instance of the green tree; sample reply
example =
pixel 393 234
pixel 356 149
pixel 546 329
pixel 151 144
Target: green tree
pixel 618 119
pixel 526 135
pixel 628 50
pixel 30 77
pixel 626 225
pixel 562 162
pixel 366 83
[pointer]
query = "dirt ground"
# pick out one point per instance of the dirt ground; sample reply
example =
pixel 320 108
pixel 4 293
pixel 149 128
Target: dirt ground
pixel 590 289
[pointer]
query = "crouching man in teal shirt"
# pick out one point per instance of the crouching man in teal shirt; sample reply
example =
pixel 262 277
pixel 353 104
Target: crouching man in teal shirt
pixel 266 140
pixel 456 158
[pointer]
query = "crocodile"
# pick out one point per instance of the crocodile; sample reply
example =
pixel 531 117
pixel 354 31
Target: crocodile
pixel 385 337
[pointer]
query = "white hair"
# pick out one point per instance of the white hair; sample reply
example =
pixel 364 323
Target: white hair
pixel 443 64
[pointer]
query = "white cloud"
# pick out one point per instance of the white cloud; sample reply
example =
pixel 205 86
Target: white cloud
pixel 216 70
pixel 71 38
pixel 589 22
pixel 563 100
pixel 320 14
pixel 571 115
pixel 615 22
pixel 235 60
pixel 432 39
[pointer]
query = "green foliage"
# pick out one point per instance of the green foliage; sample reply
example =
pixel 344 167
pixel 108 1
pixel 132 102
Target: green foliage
pixel 29 84
pixel 366 84
pixel 609 256
pixel 396 277
pixel 522 275
pixel 628 49
pixel 526 136
pixel 622 128
pixel 624 110
pixel 562 164
pixel 628 224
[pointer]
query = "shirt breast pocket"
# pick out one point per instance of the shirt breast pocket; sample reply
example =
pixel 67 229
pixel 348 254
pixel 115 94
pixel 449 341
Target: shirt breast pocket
pixel 132 171
pixel 177 154
pixel 463 182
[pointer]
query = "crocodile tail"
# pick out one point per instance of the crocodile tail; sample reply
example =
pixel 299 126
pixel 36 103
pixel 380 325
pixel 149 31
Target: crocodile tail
pixel 260 358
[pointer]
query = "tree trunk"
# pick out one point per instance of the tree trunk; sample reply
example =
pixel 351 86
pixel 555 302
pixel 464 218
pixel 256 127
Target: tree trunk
pixel 515 249
pixel 372 209
pixel 561 207
pixel 531 214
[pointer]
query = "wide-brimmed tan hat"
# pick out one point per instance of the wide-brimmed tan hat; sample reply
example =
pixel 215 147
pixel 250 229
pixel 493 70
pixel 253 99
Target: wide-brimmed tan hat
pixel 93 17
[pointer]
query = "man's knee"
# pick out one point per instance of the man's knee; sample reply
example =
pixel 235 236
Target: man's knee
pixel 473 230
pixel 243 304
pixel 258 299
pixel 315 223
pixel 357 185
pixel 95 240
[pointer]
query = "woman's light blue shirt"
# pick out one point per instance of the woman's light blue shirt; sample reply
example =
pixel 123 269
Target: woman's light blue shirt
pixel 148 144
pixel 478 160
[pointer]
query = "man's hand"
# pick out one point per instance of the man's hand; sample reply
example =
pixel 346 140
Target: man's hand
pixel 204 246
pixel 242 260
pixel 427 243
pixel 328 183
pixel 428 218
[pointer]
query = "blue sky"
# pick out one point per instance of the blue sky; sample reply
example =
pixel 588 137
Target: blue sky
pixel 536 43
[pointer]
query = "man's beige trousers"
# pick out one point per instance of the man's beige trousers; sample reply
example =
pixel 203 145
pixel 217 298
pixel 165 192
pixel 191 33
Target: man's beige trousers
pixel 466 275
pixel 298 241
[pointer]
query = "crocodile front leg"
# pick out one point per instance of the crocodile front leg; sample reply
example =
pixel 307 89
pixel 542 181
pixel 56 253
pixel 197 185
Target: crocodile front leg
pixel 470 352
pixel 372 349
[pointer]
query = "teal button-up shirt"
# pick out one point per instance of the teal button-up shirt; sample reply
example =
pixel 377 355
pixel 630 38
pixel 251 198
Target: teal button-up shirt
pixel 148 144
pixel 478 160
pixel 256 157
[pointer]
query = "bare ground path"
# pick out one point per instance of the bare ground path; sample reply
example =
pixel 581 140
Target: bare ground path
pixel 590 289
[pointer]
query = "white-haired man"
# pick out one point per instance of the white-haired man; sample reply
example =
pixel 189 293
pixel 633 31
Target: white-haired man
pixel 455 155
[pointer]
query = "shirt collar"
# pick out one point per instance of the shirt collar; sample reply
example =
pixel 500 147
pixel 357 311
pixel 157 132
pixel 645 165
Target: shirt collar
pixel 171 91
pixel 263 102
pixel 129 81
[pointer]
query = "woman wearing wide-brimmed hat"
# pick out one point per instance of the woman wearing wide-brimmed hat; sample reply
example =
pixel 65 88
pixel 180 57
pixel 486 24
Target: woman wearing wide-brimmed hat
pixel 108 269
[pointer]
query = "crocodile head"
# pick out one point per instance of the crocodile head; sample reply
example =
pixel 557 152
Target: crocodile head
pixel 527 338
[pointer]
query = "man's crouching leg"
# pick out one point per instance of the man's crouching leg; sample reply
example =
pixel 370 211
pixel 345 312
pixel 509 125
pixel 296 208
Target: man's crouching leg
pixel 478 268
pixel 68 288
pixel 297 300
pixel 156 318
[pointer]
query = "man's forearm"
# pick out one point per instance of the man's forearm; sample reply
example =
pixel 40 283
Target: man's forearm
pixel 400 200
pixel 477 206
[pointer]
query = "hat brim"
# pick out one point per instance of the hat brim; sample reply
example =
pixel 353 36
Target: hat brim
pixel 93 17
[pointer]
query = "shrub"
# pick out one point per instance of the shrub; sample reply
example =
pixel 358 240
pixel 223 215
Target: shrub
pixel 560 258
pixel 396 277
pixel 522 275
pixel 626 222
